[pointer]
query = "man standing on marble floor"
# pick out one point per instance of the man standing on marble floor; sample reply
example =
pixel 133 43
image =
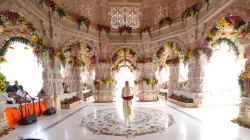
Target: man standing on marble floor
pixel 127 96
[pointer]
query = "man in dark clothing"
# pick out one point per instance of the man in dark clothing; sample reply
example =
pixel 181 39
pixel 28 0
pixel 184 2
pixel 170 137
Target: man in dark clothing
pixel 9 87
pixel 15 87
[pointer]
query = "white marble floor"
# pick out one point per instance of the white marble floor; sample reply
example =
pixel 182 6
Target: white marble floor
pixel 158 120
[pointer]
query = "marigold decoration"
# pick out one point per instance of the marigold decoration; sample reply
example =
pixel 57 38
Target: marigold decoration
pixel 172 46
pixel 182 83
pixel 245 30
pixel 150 81
pixel 2 83
pixel 238 24
pixel 103 27
pixel 144 60
pixel 125 28
pixel 190 11
pixel 167 20
pixel 122 53
pixel 107 82
pixel 197 52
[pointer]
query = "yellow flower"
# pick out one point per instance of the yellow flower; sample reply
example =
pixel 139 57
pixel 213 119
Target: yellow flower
pixel 34 40
pixel 223 34
pixel 84 46
pixel 120 53
pixel 211 35
pixel 101 82
pixel 168 46
pixel 26 48
pixel 58 53
pixel 7 32
pixel 233 34
pixel 214 44
pixel 21 33
pixel 223 22
pixel 127 51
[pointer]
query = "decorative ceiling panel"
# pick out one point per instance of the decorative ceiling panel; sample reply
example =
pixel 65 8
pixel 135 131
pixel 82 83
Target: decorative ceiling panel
pixel 88 8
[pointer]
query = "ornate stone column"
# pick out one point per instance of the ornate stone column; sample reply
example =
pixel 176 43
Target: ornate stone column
pixel 196 79
pixel 103 93
pixel 148 92
pixel 173 79
pixel 244 110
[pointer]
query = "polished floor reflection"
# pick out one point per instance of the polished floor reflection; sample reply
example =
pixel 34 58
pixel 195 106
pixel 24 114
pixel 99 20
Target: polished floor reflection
pixel 160 120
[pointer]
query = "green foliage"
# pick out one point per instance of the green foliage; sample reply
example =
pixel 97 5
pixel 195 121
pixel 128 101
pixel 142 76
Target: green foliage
pixel 88 94
pixel 3 86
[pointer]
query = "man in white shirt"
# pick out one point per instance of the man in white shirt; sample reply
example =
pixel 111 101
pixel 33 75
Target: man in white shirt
pixel 127 96
pixel 22 93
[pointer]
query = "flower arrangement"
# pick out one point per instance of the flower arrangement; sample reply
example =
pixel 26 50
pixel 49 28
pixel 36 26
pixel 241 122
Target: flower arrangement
pixel 182 83
pixel 107 82
pixel 187 55
pixel 150 81
pixel 75 61
pixel 2 83
pixel 86 47
pixel 181 98
pixel 244 82
pixel 174 61
pixel 125 28
pixel 123 52
pixel 80 19
pixel 229 21
pixel 70 100
pixel 144 30
pixel 230 43
pixel 165 85
pixel 197 52
pixel 88 94
pixel 103 27
pixel 245 31
pixel 54 7
pixel 93 59
pixel 190 11
pixel 105 61
pixel 167 20
pixel 170 45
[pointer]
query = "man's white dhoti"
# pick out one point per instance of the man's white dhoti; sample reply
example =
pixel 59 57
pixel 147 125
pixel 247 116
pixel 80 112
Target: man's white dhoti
pixel 127 105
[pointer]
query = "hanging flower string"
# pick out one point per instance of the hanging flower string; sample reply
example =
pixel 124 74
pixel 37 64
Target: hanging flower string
pixel 208 3
pixel 144 30
pixel 103 27
pixel 167 20
pixel 125 28
pixel 190 11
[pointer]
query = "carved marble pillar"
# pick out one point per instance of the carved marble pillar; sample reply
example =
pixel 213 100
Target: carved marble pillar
pixel 103 93
pixel 148 92
pixel 173 79
pixel 196 79
pixel 244 110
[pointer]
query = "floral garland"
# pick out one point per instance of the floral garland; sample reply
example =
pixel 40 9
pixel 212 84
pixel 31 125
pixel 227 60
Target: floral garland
pixel 103 27
pixel 150 81
pixel 190 11
pixel 167 20
pixel 244 82
pixel 208 3
pixel 232 20
pixel 61 13
pixel 107 82
pixel 125 28
pixel 182 83
pixel 230 43
pixel 173 62
pixel 170 45
pixel 123 52
pixel 245 30
pixel 105 61
pixel 197 52
pixel 144 30
pixel 75 61
pixel 2 83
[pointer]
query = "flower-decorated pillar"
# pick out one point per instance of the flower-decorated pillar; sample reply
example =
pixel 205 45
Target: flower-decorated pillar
pixel 196 79
pixel 148 83
pixel 244 110
pixel 103 84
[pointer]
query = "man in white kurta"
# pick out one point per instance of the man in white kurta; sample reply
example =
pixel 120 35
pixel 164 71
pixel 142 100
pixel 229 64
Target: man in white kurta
pixel 127 104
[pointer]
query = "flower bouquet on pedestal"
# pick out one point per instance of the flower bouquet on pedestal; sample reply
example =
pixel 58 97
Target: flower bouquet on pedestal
pixel 128 98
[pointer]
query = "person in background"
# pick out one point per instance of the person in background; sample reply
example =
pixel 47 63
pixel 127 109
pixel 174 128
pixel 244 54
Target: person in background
pixel 9 87
pixel 15 87
pixel 23 94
